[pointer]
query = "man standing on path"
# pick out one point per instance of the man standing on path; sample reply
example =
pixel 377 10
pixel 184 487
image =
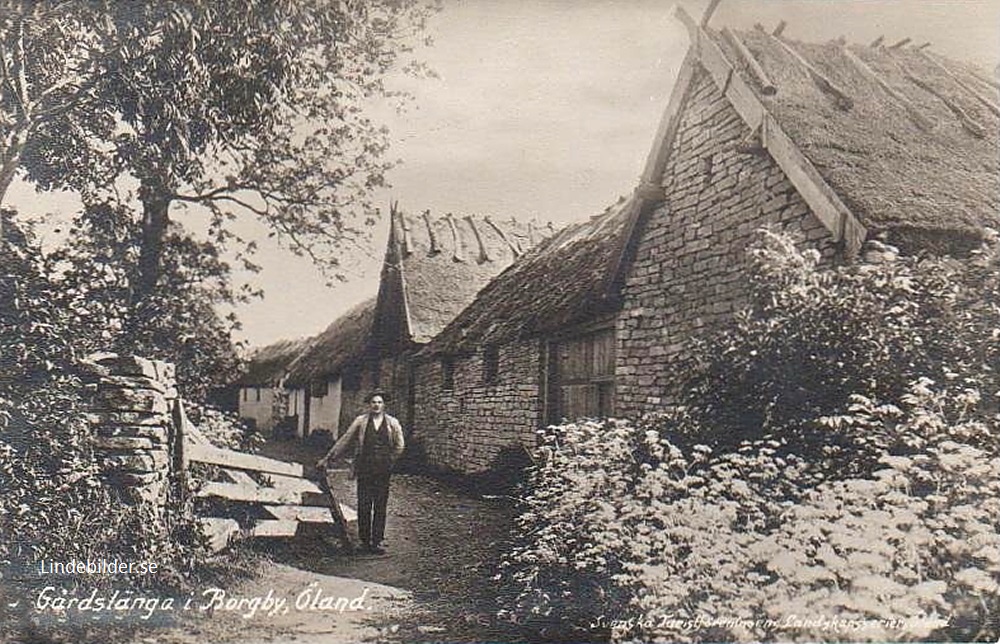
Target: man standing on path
pixel 377 439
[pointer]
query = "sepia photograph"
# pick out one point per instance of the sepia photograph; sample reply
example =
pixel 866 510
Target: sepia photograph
pixel 461 321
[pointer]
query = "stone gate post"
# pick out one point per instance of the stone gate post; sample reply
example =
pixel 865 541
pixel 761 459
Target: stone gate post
pixel 133 424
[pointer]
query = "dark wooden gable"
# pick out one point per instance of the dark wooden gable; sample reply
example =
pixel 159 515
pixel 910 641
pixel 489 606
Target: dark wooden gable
pixel 391 332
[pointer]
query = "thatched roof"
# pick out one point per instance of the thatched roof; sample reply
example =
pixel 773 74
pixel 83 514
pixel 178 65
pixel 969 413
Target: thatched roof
pixel 336 347
pixel 446 260
pixel 564 280
pixel 914 155
pixel 268 364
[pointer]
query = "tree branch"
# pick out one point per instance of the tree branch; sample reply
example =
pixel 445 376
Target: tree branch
pixel 20 68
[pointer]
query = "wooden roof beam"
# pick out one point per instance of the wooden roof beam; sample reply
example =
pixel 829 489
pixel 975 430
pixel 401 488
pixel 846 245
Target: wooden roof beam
pixel 901 43
pixel 877 42
pixel 709 11
pixel 780 29
pixel 983 79
pixel 919 119
pixel 484 255
pixel 767 87
pixel 825 204
pixel 456 255
pixel 435 249
pixel 513 248
pixel 840 97
pixel 969 123
pixel 407 246
pixel 990 105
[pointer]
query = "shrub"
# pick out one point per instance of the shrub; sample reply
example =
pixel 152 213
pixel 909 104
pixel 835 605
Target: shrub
pixel 627 535
pixel 813 337
pixel 53 504
pixel 832 474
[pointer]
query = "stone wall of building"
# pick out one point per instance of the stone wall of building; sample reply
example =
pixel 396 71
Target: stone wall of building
pixel 324 411
pixel 690 270
pixel 467 428
pixel 132 413
pixel 257 404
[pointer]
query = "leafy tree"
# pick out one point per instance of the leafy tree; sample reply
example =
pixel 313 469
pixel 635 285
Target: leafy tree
pixel 93 276
pixel 253 107
pixel 51 55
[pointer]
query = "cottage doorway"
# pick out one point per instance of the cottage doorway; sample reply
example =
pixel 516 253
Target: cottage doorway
pixel 583 376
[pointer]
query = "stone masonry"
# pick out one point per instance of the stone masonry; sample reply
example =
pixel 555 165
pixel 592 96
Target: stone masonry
pixel 690 269
pixel 466 428
pixel 134 427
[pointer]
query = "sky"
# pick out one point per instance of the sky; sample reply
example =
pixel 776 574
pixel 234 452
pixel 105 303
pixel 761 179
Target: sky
pixel 547 109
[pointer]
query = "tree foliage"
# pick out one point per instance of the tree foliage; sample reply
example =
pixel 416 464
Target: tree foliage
pixel 252 108
pixel 95 272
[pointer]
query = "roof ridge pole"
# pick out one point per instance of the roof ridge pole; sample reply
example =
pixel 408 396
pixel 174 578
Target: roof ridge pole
pixel 407 239
pixel 982 79
pixel 767 87
pixel 990 105
pixel 968 122
pixel 484 255
pixel 901 43
pixel 842 100
pixel 923 122
pixel 435 249
pixel 709 10
pixel 456 255
pixel 513 249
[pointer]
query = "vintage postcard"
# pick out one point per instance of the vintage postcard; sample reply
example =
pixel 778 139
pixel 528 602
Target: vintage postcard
pixel 499 321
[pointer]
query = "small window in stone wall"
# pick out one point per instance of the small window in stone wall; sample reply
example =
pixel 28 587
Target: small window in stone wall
pixel 317 388
pixel 256 393
pixel 491 365
pixel 448 374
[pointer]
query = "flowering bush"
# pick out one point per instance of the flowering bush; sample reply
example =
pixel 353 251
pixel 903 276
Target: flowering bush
pixel 812 338
pixel 857 499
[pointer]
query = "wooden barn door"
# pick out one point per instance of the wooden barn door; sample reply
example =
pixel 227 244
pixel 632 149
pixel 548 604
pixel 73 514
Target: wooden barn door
pixel 584 376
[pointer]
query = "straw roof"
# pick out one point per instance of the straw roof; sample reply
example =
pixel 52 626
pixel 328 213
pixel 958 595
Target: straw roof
pixel 267 365
pixel 336 347
pixel 446 260
pixel 564 280
pixel 915 155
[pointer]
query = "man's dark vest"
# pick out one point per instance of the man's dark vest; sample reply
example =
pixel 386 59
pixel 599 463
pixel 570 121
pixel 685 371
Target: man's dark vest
pixel 376 453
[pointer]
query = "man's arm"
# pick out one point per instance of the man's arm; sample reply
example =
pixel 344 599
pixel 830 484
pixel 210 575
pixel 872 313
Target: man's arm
pixel 342 445
pixel 398 443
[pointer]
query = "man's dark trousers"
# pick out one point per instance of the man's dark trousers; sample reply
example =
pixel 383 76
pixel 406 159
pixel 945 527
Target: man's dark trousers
pixel 373 496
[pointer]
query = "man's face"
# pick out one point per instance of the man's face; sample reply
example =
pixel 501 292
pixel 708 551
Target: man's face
pixel 376 405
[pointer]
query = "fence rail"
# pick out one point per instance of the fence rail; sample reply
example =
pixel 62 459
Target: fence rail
pixel 277 489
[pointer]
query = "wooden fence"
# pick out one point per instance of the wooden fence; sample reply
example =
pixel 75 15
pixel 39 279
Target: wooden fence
pixel 274 497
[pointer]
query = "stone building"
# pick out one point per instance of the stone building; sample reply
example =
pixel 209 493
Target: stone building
pixel 537 345
pixel 323 371
pixel 259 389
pixel 433 268
pixel 837 144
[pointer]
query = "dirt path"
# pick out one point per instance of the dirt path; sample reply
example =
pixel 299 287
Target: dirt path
pixel 434 584
pixel 441 545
